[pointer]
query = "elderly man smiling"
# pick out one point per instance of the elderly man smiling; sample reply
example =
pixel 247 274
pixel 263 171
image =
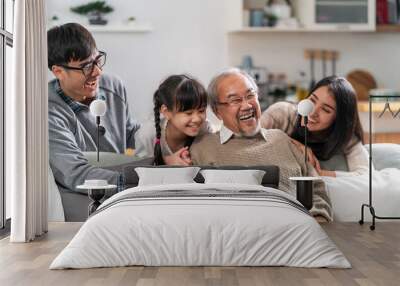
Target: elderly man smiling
pixel 241 140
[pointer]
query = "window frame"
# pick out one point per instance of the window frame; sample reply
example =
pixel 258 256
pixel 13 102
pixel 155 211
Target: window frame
pixel 6 39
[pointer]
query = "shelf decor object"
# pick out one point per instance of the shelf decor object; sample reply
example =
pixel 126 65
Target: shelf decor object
pixel 375 95
pixel 95 11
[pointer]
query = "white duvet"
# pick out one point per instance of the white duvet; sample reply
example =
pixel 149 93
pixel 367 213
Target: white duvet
pixel 183 231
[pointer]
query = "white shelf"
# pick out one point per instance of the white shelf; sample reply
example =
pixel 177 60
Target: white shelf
pixel 268 29
pixel 128 28
pixel 293 29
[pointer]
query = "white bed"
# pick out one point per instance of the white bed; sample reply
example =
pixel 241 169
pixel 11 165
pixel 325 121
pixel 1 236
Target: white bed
pixel 269 230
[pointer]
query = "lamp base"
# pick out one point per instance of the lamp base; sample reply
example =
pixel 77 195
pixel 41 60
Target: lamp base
pixel 304 193
pixel 96 195
pixel 304 190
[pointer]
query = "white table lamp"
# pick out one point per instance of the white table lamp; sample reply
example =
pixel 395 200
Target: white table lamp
pixel 98 108
pixel 305 108
pixel 304 185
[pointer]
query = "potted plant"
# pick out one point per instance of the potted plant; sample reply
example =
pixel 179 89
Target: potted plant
pixel 53 21
pixel 277 10
pixel 131 20
pixel 95 11
pixel 271 19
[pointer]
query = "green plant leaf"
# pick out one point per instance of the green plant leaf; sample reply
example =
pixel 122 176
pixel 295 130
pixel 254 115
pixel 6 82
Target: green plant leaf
pixel 99 6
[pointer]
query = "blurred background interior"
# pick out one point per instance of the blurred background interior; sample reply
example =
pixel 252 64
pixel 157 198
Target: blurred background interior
pixel 285 44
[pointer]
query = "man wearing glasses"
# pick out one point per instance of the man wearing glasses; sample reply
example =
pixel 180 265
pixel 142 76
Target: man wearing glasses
pixel 241 141
pixel 77 65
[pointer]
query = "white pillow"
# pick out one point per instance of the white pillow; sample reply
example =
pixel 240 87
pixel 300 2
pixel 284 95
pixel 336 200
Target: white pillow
pixel 166 176
pixel 248 177
pixel 385 155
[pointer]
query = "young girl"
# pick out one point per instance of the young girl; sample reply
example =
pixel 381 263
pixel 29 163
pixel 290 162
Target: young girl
pixel 182 102
pixel 334 127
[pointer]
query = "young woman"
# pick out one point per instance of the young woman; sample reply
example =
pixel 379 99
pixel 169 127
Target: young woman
pixel 334 127
pixel 182 102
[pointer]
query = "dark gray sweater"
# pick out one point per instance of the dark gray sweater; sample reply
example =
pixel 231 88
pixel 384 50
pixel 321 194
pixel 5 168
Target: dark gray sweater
pixel 73 130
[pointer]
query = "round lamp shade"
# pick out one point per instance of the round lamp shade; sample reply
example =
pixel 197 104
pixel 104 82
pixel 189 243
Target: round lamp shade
pixel 305 107
pixel 98 107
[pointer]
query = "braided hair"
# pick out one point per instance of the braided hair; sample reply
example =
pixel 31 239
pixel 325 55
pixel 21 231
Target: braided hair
pixel 158 159
pixel 178 93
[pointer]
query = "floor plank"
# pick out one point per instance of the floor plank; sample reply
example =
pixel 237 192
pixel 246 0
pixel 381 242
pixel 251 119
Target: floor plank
pixel 374 255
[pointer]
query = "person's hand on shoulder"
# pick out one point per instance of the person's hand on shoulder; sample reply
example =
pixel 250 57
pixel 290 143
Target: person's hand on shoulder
pixel 312 159
pixel 326 173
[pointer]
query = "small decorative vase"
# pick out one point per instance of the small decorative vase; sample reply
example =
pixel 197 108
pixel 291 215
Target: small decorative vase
pixel 96 18
pixel 256 18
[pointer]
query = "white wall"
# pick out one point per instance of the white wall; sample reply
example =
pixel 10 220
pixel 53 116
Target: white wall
pixel 188 37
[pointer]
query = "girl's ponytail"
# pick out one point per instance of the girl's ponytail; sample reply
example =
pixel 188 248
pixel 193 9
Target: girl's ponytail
pixel 158 158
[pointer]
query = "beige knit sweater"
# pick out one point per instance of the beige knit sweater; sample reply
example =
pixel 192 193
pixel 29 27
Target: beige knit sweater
pixel 282 115
pixel 275 149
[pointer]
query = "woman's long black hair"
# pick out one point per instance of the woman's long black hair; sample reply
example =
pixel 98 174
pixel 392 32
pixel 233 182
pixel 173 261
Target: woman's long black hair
pixel 347 124
pixel 178 93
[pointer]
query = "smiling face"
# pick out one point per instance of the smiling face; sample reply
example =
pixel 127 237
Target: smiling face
pixel 242 118
pixel 74 83
pixel 324 113
pixel 187 123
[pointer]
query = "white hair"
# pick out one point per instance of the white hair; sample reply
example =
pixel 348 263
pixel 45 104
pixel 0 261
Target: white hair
pixel 213 86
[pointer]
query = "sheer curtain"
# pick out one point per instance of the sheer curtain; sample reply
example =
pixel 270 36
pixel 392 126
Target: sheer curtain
pixel 26 124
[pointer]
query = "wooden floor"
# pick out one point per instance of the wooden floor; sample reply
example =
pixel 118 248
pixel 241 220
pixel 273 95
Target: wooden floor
pixel 374 255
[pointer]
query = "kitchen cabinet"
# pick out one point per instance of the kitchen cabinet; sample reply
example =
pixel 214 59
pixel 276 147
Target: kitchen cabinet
pixel 240 10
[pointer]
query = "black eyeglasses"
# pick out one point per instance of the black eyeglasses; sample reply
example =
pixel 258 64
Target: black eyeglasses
pixel 237 100
pixel 87 68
